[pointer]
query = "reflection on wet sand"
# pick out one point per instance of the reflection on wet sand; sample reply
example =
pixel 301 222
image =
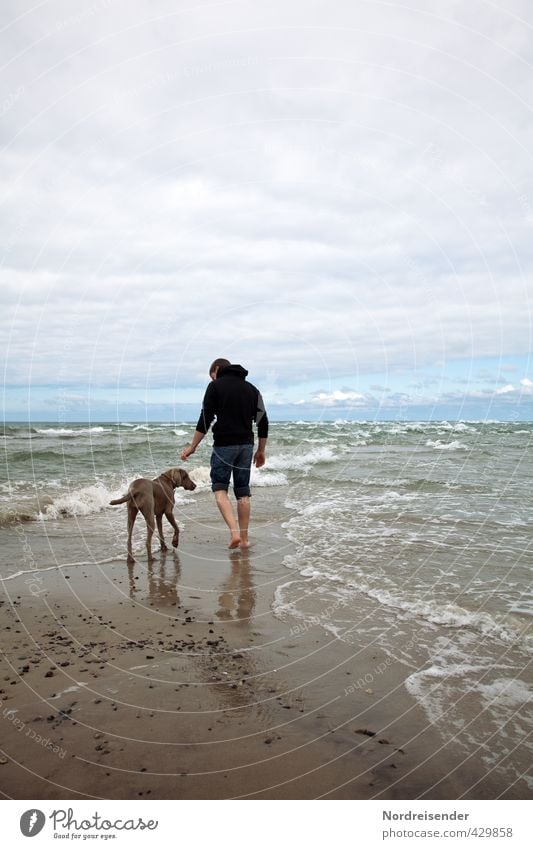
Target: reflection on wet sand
pixel 237 599
pixel 163 579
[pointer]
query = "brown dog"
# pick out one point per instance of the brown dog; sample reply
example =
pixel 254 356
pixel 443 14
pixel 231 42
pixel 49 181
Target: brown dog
pixel 154 498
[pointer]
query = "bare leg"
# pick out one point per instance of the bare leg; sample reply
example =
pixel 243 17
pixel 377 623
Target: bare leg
pixel 224 505
pixel 243 513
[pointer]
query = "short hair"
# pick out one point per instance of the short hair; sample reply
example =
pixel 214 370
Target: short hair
pixel 219 363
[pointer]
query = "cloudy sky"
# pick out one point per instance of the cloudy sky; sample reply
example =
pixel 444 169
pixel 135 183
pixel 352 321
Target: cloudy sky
pixel 337 194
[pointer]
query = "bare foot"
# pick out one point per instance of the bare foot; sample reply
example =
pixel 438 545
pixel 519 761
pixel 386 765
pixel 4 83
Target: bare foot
pixel 235 540
pixel 246 543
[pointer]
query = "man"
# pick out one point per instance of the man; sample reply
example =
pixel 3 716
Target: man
pixel 236 405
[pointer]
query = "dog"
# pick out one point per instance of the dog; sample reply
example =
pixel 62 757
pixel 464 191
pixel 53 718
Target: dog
pixel 154 498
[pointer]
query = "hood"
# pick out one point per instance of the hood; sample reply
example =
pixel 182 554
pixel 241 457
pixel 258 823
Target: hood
pixel 232 371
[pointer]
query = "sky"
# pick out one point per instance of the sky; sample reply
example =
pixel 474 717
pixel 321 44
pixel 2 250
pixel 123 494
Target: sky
pixel 337 195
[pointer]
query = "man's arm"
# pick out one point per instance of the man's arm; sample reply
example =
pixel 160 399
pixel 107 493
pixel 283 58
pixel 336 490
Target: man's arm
pixel 261 419
pixel 259 456
pixel 204 422
pixel 190 449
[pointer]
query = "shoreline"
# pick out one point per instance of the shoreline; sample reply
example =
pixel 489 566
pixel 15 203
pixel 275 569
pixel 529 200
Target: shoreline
pixel 177 681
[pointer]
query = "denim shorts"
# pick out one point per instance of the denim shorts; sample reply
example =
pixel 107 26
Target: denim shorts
pixel 232 459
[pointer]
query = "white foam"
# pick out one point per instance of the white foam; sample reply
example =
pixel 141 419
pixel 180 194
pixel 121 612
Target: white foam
pixel 311 572
pixel 59 566
pixel 201 477
pixel 510 692
pixel 259 477
pixel 300 462
pixel 60 431
pixel 81 502
pixel 449 615
pixel 65 431
pixel 95 497
pixel 280 607
pixel 432 696
pixel 73 689
pixel 461 427
pixel 455 445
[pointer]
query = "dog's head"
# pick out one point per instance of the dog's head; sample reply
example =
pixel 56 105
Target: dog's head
pixel 181 478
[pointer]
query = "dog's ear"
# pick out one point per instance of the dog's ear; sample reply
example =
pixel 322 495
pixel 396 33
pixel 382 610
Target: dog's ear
pixel 177 477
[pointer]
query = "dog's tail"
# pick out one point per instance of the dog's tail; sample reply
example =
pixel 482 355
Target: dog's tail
pixel 124 498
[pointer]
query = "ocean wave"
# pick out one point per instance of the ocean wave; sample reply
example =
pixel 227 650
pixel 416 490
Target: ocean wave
pixel 449 615
pixel 201 475
pixel 262 477
pixel 38 454
pixel 438 686
pixel 432 612
pixel 93 499
pixel 16 516
pixel 300 462
pixel 80 502
pixel 446 446
pixel 76 452
pixel 67 431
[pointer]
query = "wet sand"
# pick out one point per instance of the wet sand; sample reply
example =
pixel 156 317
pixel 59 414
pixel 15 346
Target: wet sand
pixel 175 680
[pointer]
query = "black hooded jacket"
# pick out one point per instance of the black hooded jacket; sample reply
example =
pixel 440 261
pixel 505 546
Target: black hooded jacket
pixel 236 405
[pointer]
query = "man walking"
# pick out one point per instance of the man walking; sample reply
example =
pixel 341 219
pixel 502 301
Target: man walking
pixel 236 403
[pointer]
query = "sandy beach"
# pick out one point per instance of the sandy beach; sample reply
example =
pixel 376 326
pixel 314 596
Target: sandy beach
pixel 177 681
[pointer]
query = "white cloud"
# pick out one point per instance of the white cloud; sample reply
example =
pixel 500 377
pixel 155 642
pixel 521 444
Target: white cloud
pixel 525 388
pixel 338 398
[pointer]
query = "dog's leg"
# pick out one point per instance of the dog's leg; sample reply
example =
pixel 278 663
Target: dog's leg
pixel 176 538
pixel 148 513
pixel 132 514
pixel 159 520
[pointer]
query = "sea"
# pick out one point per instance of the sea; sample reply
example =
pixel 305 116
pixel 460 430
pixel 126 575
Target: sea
pixel 415 537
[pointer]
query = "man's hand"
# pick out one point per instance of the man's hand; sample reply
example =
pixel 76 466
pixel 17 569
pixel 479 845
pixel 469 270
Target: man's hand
pixel 186 453
pixel 259 458
pixel 190 449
